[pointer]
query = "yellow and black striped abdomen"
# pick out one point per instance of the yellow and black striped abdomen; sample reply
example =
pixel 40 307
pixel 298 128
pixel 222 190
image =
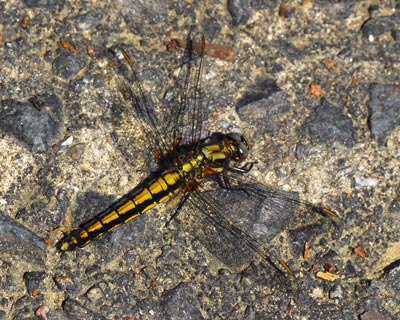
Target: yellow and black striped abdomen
pixel 146 196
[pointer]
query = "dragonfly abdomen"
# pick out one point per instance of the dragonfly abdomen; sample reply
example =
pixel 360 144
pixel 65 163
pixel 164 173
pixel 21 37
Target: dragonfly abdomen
pixel 146 196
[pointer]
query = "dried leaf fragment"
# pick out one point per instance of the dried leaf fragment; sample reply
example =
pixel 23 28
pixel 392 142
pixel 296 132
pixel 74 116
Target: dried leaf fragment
pixel 327 275
pixel 316 90
pixel 360 251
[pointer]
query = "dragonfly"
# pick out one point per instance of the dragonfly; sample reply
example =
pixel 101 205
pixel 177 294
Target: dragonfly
pixel 199 171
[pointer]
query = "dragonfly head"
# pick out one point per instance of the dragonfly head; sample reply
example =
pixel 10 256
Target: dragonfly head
pixel 238 146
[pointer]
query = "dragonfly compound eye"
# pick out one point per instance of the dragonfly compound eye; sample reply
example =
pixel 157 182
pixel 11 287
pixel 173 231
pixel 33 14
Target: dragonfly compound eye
pixel 241 146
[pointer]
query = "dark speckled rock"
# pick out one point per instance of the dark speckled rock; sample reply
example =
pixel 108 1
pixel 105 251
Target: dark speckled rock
pixel 37 123
pixel 46 4
pixel 371 315
pixel 378 25
pixel 180 303
pixel 262 104
pixel 67 64
pixel 177 303
pixel 18 241
pixel 384 110
pixel 241 10
pixel 392 275
pixel 33 280
pixel 337 9
pixel 74 310
pixel 328 124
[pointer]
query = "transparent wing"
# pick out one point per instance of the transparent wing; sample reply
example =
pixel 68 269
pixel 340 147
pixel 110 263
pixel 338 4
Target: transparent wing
pixel 244 218
pixel 182 116
pixel 184 102
pixel 139 103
